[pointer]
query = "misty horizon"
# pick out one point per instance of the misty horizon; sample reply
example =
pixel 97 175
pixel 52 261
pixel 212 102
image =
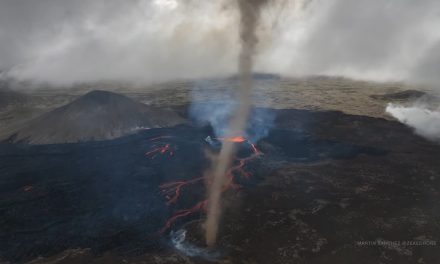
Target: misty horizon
pixel 62 43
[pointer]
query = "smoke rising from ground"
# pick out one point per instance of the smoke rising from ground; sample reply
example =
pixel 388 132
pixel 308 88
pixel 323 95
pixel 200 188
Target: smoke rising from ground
pixel 249 14
pixel 214 106
pixel 424 121
pixel 68 41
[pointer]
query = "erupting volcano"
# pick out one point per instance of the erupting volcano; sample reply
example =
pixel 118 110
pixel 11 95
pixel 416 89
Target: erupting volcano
pixel 172 190
pixel 225 131
pixel 238 139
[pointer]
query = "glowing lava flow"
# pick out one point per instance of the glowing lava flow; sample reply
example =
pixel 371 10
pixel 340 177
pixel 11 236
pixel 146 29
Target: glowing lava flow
pixel 160 148
pixel 173 190
pixel 238 139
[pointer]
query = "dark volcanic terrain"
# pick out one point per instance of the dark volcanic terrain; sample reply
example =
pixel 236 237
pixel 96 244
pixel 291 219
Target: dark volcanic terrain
pixel 327 182
pixel 97 115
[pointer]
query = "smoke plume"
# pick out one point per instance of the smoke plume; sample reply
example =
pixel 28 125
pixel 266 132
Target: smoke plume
pixel 249 13
pixel 422 118
pixel 215 107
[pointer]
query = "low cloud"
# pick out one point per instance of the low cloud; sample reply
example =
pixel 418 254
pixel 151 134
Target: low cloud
pixel 66 41
pixel 138 41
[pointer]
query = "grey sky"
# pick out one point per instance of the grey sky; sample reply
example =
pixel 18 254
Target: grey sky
pixel 67 41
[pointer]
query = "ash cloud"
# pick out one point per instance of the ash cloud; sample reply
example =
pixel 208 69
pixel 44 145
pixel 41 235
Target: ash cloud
pixel 62 42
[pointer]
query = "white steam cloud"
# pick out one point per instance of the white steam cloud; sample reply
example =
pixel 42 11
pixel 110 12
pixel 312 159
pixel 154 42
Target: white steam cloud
pixel 68 41
pixel 140 41
pixel 424 121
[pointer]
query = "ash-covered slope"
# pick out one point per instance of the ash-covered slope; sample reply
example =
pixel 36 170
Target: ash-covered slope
pixel 98 115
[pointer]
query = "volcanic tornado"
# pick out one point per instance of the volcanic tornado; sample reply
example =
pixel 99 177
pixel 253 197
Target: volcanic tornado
pixel 249 15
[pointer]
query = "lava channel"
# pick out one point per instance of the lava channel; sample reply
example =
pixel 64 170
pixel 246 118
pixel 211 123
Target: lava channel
pixel 173 190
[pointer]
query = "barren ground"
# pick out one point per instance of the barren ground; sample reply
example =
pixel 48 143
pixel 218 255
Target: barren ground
pixel 316 193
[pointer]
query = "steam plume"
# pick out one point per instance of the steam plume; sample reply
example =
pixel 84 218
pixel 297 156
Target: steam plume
pixel 249 13
pixel 424 119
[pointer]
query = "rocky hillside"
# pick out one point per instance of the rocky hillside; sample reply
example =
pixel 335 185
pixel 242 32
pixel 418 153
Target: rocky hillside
pixel 98 115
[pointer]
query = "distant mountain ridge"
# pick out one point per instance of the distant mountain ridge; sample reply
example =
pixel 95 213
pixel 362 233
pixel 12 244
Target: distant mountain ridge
pixel 97 115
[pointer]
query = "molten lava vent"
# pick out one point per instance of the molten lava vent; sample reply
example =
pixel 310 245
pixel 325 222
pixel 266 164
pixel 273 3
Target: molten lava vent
pixel 174 191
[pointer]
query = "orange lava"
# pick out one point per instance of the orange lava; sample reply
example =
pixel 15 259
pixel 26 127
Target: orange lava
pixel 165 149
pixel 185 212
pixel 172 190
pixel 160 148
pixel 238 139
